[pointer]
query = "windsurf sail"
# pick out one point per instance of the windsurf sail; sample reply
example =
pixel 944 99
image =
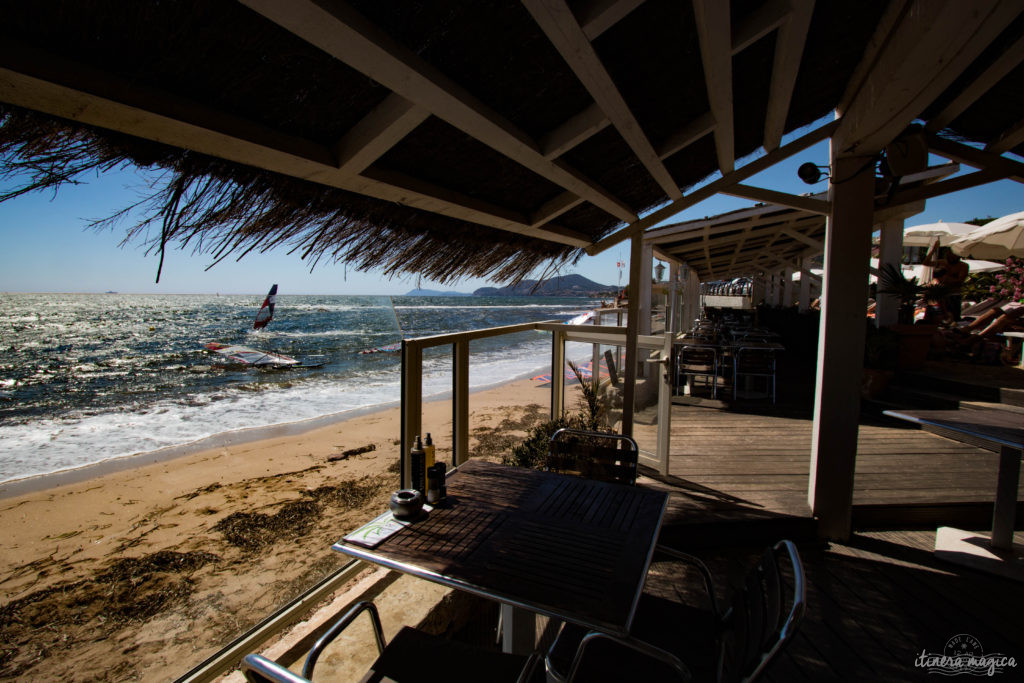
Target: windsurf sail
pixel 243 355
pixel 266 312
pixel 581 319
pixel 389 348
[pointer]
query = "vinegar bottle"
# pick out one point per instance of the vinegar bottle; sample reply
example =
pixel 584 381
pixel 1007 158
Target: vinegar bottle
pixel 418 464
pixel 428 449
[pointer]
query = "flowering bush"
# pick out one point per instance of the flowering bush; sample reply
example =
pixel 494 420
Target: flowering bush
pixel 1010 283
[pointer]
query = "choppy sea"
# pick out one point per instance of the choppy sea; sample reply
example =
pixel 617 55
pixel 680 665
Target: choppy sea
pixel 90 377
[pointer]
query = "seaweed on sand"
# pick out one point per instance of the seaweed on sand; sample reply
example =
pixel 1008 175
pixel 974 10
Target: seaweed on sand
pixel 130 590
pixel 252 531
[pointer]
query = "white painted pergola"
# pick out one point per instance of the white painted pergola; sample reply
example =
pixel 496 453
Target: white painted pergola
pixel 918 50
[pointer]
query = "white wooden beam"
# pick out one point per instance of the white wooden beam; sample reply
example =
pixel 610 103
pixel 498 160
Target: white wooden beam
pixel 760 23
pixel 377 132
pixel 713 32
pixel 789 50
pixel 560 26
pixel 978 158
pixel 1008 139
pixel 598 16
pixel 1007 62
pixel 118 105
pixel 581 127
pixel 709 190
pixel 343 33
pixel 929 47
pixel 800 237
pixel 961 182
pixel 554 208
pixel 687 135
pixel 760 194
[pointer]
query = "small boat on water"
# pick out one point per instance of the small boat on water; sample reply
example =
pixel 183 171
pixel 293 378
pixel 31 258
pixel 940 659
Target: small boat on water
pixel 237 354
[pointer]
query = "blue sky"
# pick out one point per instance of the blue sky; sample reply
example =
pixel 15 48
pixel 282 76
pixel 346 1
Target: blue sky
pixel 48 248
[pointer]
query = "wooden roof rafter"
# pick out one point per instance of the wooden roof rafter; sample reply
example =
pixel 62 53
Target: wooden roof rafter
pixel 560 26
pixel 789 48
pixel 996 71
pixel 898 79
pixel 739 175
pixel 346 35
pixel 1008 139
pixel 712 17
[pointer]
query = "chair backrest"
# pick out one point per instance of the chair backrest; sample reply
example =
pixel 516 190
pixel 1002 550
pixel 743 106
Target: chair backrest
pixel 757 624
pixel 594 455
pixel 697 354
pixel 751 359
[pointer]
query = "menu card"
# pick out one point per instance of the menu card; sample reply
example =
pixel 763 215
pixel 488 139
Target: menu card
pixel 374 533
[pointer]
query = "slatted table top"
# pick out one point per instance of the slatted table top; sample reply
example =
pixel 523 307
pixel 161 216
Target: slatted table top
pixel 998 426
pixel 566 547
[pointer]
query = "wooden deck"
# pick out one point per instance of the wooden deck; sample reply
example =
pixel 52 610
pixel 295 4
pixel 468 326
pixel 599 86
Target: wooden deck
pixel 875 603
pixel 745 465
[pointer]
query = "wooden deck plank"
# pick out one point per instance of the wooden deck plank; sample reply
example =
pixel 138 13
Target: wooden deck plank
pixel 764 460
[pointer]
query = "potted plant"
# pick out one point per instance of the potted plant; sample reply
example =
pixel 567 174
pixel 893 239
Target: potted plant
pixel 915 340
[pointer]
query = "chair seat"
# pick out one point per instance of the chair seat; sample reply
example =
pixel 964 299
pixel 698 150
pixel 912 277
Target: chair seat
pixel 663 623
pixel 415 656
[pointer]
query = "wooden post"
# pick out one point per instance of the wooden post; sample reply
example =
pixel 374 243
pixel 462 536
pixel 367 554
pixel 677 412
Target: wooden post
pixel 460 402
pixel 636 283
pixel 557 374
pixel 841 344
pixel 665 403
pixel 595 362
pixel 412 404
pixel 805 284
pixel 674 312
pixel 644 289
pixel 890 250
pixel 787 287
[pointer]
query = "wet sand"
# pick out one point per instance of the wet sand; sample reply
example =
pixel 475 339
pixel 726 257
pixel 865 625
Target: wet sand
pixel 138 570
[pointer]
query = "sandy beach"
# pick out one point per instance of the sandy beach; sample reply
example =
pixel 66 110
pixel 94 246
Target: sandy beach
pixel 140 572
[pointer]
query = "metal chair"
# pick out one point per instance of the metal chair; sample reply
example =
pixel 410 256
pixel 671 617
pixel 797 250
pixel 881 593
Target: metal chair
pixel 740 643
pixel 412 655
pixel 752 361
pixel 594 455
pixel 698 360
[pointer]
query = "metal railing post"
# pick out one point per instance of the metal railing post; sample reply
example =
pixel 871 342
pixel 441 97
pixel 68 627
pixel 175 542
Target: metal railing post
pixel 460 402
pixel 557 374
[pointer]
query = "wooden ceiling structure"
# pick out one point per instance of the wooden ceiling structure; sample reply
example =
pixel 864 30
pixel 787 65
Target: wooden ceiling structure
pixel 770 237
pixel 556 127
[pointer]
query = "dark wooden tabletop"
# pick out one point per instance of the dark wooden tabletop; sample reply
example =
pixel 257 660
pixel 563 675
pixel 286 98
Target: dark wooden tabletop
pixel 998 426
pixel 566 547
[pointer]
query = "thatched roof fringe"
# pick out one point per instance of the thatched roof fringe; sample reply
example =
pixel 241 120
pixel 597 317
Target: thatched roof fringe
pixel 220 208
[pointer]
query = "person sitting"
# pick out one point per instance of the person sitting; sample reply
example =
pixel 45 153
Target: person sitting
pixel 950 272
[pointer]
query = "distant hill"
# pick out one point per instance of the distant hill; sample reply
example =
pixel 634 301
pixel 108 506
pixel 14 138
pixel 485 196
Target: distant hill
pixel 562 285
pixel 434 292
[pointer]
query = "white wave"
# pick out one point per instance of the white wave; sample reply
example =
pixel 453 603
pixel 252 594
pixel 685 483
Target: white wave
pixel 56 444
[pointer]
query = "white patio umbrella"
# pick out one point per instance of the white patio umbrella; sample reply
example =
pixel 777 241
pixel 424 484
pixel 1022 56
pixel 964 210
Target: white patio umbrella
pixel 924 235
pixel 1000 239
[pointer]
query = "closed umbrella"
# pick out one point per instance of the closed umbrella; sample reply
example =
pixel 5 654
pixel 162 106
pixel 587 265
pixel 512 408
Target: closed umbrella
pixel 924 235
pixel 995 241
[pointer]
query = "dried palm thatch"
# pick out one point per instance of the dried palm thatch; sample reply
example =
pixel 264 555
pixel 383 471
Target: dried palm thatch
pixel 224 209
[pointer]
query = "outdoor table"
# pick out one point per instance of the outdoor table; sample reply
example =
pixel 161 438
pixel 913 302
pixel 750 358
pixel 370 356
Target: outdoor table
pixel 1006 430
pixel 566 547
